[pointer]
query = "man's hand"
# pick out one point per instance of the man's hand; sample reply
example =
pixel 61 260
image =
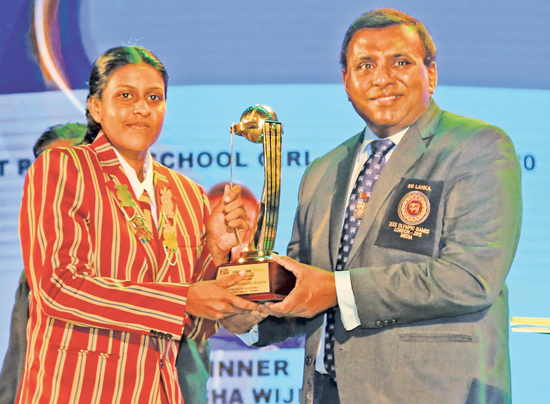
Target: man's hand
pixel 242 321
pixel 227 216
pixel 315 291
pixel 212 300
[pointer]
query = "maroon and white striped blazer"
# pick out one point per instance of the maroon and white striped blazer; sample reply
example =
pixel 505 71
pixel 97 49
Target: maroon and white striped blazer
pixel 107 309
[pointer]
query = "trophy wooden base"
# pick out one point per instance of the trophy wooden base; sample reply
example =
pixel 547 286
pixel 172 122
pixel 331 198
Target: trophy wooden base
pixel 266 281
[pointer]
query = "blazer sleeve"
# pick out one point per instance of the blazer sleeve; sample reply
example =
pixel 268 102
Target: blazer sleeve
pixel 57 252
pixel 295 249
pixel 198 328
pixel 479 235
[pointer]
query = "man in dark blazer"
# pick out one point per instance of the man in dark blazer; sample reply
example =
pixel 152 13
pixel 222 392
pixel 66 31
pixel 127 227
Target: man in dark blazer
pixel 421 310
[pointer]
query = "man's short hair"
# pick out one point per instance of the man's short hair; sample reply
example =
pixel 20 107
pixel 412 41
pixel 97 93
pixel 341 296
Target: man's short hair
pixel 74 132
pixel 387 17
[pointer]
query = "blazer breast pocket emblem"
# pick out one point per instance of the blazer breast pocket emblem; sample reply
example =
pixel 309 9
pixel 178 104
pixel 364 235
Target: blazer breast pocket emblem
pixel 411 218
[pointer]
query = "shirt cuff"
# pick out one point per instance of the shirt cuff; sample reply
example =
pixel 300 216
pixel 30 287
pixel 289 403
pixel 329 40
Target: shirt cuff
pixel 250 337
pixel 346 300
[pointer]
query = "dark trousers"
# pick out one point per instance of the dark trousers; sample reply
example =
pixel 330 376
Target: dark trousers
pixel 325 390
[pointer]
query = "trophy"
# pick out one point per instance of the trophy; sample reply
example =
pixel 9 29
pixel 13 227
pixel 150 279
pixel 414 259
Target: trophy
pixel 265 279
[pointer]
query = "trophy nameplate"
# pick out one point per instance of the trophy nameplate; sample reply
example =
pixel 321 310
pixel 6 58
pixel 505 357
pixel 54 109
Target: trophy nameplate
pixel 265 280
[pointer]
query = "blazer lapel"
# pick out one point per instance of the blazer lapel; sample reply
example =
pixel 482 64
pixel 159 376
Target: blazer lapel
pixel 408 151
pixel 337 206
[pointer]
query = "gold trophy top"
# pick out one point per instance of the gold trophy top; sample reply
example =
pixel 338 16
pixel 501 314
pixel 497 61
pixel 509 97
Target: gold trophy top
pixel 251 125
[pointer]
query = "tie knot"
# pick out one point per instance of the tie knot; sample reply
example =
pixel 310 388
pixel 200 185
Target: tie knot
pixel 381 146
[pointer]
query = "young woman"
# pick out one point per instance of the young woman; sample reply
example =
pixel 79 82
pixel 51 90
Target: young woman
pixel 119 251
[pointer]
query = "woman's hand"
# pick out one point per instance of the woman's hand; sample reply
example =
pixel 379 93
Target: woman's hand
pixel 212 300
pixel 242 321
pixel 228 215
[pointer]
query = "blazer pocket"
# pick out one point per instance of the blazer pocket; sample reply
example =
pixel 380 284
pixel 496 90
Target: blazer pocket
pixel 191 240
pixel 435 337
pixel 190 247
pixel 442 362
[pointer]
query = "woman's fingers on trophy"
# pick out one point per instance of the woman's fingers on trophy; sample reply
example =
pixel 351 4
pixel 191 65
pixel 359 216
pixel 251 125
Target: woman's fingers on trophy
pixel 236 301
pixel 230 280
pixel 230 201
pixel 240 303
pixel 212 300
pixel 205 300
pixel 234 210
pixel 231 193
pixel 237 219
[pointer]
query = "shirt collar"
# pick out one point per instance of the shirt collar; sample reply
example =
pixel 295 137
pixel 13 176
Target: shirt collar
pixel 369 136
pixel 138 186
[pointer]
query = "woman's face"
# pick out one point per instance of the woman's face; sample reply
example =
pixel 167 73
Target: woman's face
pixel 131 110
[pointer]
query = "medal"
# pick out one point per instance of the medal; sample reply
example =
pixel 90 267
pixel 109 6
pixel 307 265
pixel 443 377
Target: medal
pixel 137 221
pixel 140 226
pixel 167 206
pixel 124 196
pixel 170 243
pixel 359 209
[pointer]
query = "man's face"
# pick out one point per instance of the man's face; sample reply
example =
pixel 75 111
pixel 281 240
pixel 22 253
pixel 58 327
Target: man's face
pixel 386 79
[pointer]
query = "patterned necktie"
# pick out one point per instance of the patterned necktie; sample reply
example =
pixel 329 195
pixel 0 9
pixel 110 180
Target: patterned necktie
pixel 354 213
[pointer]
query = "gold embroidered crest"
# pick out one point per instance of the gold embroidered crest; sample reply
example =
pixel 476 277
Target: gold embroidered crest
pixel 414 208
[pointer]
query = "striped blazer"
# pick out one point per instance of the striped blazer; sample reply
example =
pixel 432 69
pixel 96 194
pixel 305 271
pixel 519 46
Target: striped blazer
pixel 107 309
